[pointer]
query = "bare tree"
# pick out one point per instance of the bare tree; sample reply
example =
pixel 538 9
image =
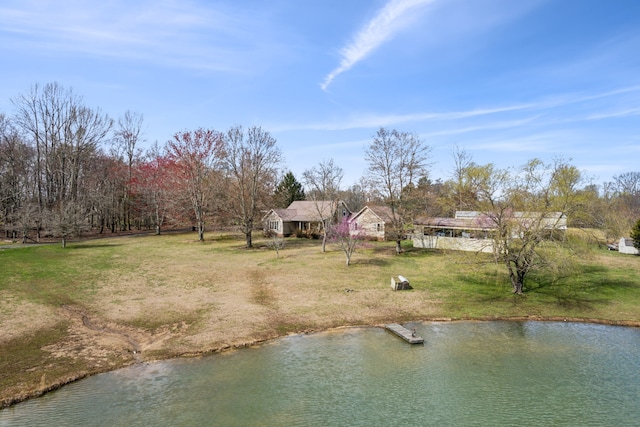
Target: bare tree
pixel 252 159
pixel 623 199
pixel 323 187
pixel 103 189
pixel 23 220
pixel 397 160
pixel 16 159
pixel 628 183
pixel 276 242
pixel 616 217
pixel 126 141
pixel 356 196
pixel 197 155
pixel 66 135
pixel 67 220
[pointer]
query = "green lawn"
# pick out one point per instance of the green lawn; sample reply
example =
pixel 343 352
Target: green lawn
pixel 600 284
pixel 196 290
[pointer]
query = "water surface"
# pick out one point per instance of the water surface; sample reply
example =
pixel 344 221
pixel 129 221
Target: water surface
pixel 466 374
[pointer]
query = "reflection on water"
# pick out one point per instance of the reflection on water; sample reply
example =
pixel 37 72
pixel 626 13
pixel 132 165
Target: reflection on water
pixel 468 373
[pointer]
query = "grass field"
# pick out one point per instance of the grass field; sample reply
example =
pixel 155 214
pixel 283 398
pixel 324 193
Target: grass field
pixel 101 304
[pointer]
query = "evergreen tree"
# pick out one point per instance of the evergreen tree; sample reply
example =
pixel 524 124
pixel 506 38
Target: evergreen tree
pixel 635 234
pixel 288 190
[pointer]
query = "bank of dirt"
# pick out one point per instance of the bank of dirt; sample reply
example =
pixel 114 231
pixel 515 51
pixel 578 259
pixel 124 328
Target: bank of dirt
pixel 189 321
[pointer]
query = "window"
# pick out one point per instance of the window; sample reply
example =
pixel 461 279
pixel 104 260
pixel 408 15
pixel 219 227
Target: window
pixel 274 225
pixel 378 227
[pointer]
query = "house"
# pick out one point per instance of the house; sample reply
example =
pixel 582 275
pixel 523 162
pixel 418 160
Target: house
pixel 626 246
pixel 462 233
pixel 473 231
pixel 303 216
pixel 370 221
pixel 548 220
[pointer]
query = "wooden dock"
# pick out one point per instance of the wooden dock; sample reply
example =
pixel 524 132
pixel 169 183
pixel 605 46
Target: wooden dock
pixel 404 333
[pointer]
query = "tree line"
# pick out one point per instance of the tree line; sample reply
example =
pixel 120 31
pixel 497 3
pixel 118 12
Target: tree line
pixel 66 168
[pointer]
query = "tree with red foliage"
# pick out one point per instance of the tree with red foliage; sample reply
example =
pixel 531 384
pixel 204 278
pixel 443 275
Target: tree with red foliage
pixel 347 238
pixel 153 184
pixel 197 155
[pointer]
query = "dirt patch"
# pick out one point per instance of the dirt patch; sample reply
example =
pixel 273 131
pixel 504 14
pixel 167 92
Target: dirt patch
pixel 19 318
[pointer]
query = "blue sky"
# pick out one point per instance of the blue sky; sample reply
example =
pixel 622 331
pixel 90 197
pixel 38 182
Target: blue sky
pixel 504 80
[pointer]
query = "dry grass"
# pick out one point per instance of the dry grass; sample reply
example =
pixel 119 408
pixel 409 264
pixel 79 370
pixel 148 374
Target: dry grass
pixel 117 301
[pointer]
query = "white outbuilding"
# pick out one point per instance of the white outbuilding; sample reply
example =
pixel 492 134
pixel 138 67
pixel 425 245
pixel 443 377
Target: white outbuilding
pixel 626 246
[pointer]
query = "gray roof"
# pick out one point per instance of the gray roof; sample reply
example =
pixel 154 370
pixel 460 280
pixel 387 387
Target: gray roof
pixel 515 214
pixel 382 212
pixel 626 241
pixel 283 213
pixel 479 223
pixel 474 220
pixel 308 211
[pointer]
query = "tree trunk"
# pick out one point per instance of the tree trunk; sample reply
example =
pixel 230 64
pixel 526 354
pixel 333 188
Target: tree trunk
pixel 398 246
pixel 517 280
pixel 517 288
pixel 322 228
pixel 248 229
pixel 516 284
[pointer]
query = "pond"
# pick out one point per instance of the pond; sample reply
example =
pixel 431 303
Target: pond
pixel 466 374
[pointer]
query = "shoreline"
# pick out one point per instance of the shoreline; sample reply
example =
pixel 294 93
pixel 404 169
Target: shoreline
pixel 31 394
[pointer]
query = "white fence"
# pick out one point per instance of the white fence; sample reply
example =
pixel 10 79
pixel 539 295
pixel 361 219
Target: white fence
pixel 452 243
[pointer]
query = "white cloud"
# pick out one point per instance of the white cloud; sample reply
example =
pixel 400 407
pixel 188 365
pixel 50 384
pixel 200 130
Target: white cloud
pixel 482 127
pixel 381 28
pixel 539 143
pixel 546 111
pixel 185 34
pixel 363 121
